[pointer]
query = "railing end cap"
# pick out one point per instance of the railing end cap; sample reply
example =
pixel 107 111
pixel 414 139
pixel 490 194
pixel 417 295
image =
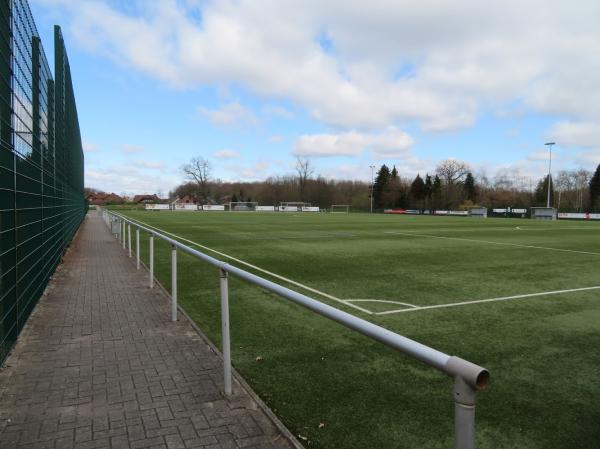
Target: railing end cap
pixel 474 375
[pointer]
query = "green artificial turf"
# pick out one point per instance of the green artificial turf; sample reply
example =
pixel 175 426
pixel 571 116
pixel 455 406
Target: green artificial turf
pixel 338 389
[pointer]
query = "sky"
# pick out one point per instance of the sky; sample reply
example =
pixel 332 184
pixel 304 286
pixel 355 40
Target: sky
pixel 251 85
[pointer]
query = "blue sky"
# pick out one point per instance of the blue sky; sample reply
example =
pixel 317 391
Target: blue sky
pixel 250 86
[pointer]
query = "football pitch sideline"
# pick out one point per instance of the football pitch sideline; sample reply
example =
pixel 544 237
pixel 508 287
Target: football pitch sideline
pixel 520 297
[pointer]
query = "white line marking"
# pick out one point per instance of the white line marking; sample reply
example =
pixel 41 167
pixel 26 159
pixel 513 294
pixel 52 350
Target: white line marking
pixel 480 301
pixel 493 243
pixel 297 284
pixel 511 228
pixel 533 228
pixel 381 300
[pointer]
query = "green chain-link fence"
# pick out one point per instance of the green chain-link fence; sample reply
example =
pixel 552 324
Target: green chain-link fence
pixel 41 166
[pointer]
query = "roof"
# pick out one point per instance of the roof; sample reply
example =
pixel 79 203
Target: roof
pixel 187 199
pixel 145 198
pixel 103 198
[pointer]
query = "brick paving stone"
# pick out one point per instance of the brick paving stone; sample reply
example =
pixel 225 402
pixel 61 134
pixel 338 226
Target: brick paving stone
pixel 99 364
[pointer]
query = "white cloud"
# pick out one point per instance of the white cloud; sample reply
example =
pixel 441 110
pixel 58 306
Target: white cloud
pixel 408 167
pixel 275 138
pixel 413 165
pixel 89 147
pixel 229 114
pixel 248 172
pixel 153 165
pixel 542 156
pixel 391 143
pixel 347 171
pixel 436 63
pixel 130 149
pixel 278 111
pixel 583 134
pixel 512 133
pixel 226 154
pixel 128 180
pixel 589 159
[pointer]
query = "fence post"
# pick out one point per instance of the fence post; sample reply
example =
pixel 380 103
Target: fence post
pixel 225 331
pixel 173 283
pixel 464 414
pixel 137 248
pixel 129 238
pixel 151 257
pixel 123 233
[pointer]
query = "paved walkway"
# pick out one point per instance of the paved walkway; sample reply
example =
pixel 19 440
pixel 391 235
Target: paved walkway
pixel 99 365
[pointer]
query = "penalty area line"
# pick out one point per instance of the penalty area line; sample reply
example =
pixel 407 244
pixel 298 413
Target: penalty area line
pixel 489 242
pixel 262 270
pixel 481 301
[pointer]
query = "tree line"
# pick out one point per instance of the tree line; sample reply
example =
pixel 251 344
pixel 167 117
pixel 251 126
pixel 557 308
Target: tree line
pixel 453 185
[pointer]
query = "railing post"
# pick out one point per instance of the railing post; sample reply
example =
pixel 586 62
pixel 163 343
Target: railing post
pixel 225 332
pixel 123 233
pixel 173 283
pixel 464 414
pixel 151 257
pixel 137 248
pixel 129 238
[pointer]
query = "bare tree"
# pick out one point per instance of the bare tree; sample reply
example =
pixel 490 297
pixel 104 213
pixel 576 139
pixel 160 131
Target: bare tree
pixel 563 184
pixel 452 170
pixel 582 180
pixel 198 171
pixel 305 170
pixel 503 180
pixel 482 177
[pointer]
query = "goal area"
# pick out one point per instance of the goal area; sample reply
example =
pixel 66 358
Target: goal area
pixel 543 213
pixel 340 208
pixel 292 206
pixel 242 206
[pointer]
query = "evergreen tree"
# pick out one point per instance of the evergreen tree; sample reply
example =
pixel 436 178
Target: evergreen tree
pixel 436 192
pixel 417 191
pixel 469 187
pixel 402 198
pixel 428 189
pixel 595 188
pixel 234 198
pixel 381 181
pixel 541 192
pixel 391 194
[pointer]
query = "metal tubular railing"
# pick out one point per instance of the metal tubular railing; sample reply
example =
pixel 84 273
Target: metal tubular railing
pixel 468 377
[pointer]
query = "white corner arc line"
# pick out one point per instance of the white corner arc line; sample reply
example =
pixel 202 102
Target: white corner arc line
pixel 493 243
pixel 481 301
pixel 262 270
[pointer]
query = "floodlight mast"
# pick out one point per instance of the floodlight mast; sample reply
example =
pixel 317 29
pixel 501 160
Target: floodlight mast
pixel 372 186
pixel 549 145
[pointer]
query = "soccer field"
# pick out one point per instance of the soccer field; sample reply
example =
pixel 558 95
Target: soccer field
pixel 520 297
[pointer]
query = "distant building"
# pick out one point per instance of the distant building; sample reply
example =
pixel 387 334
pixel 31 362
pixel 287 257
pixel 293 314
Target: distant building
pixel 143 199
pixel 187 199
pixel 101 199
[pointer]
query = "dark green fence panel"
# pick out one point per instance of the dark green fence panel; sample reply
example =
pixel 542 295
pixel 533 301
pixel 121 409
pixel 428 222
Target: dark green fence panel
pixel 41 166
